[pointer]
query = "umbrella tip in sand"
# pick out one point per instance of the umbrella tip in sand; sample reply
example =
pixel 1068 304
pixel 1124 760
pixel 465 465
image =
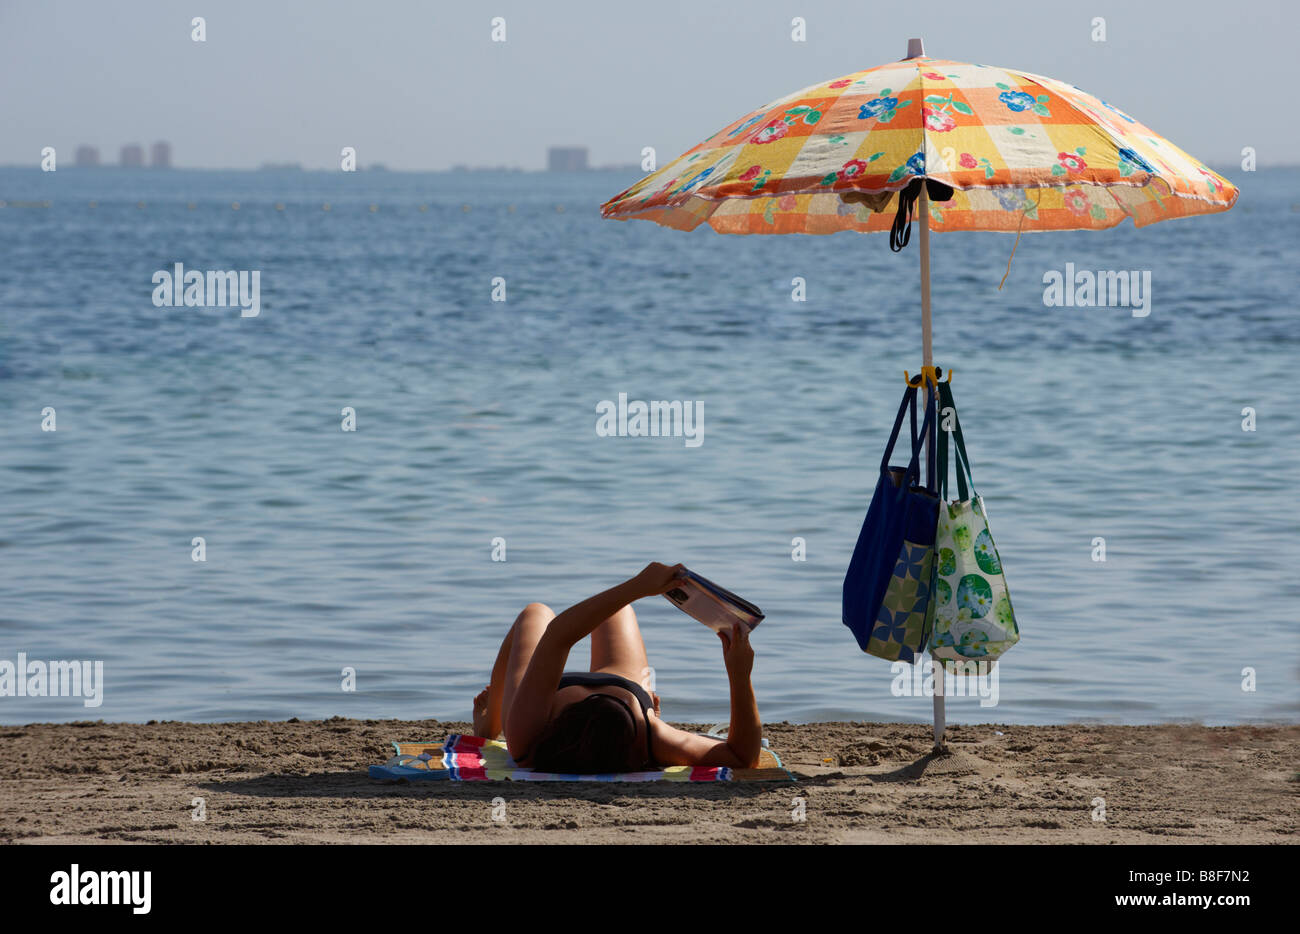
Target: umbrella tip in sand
pixel 915 49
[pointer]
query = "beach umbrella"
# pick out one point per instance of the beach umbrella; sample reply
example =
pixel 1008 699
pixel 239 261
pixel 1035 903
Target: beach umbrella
pixel 955 146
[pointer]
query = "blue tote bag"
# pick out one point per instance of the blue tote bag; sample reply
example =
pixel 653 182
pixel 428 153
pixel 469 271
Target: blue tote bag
pixel 888 587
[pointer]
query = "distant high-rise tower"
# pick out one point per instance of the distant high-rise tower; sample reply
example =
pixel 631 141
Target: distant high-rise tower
pixel 132 156
pixel 566 159
pixel 87 156
pixel 160 156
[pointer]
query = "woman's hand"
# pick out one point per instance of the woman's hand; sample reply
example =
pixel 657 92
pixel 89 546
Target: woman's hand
pixel 737 653
pixel 659 578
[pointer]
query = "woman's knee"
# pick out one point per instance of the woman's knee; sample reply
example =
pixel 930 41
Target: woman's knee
pixel 625 615
pixel 534 616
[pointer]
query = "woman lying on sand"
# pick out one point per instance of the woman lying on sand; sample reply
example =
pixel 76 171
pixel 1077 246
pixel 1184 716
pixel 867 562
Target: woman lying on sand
pixel 605 720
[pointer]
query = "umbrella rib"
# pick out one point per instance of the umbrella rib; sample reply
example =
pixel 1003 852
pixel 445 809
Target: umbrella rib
pixel 1121 205
pixel 1091 124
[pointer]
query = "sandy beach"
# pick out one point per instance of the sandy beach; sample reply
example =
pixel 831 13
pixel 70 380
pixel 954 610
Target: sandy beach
pixel 306 782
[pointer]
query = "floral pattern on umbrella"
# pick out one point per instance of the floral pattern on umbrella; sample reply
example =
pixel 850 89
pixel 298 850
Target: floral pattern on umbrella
pixel 1022 151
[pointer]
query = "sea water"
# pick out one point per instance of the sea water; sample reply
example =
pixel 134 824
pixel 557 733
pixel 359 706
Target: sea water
pixel 364 558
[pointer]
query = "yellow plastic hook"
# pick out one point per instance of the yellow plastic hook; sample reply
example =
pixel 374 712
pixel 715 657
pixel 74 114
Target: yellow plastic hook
pixel 929 376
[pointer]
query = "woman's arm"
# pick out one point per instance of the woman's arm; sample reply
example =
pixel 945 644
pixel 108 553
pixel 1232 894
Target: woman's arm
pixel 744 738
pixel 530 708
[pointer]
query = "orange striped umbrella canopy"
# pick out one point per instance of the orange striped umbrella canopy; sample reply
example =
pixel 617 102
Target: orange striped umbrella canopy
pixel 1022 151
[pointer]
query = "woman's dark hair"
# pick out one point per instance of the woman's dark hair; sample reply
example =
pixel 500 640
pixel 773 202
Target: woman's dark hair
pixel 593 735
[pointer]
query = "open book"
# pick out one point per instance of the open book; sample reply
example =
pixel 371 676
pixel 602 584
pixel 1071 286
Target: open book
pixel 712 605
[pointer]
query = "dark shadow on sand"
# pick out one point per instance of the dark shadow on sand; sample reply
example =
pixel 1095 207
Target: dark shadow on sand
pixel 359 785
pixel 912 772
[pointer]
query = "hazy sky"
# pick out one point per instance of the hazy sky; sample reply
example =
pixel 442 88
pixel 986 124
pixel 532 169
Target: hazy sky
pixel 420 85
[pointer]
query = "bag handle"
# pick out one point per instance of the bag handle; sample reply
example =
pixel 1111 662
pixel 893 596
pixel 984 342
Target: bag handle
pixel 962 459
pixel 911 416
pixel 928 424
pixel 931 400
pixel 909 395
pixel 942 484
pixel 913 475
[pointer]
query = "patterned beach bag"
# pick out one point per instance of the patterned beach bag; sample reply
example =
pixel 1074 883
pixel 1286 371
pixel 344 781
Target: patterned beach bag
pixel 887 587
pixel 971 617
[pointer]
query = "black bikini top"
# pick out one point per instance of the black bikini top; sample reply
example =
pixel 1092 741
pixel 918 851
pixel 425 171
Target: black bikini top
pixel 594 679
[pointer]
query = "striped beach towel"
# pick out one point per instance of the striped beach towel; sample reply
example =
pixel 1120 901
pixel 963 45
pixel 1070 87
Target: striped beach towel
pixel 462 758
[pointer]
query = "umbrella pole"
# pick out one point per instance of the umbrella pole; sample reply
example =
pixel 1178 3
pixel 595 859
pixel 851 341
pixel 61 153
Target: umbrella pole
pixel 927 356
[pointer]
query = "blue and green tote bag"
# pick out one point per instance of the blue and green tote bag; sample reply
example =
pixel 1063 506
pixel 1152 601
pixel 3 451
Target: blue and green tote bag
pixel 971 618
pixel 888 584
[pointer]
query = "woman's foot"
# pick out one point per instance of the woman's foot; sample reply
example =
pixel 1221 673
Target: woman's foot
pixel 482 724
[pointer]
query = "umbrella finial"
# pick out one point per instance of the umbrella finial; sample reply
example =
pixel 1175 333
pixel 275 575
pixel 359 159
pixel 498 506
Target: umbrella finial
pixel 915 49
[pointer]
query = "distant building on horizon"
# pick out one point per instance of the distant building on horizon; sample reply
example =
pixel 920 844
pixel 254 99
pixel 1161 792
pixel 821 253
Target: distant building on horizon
pixel 462 167
pixel 160 156
pixel 87 157
pixel 132 156
pixel 566 159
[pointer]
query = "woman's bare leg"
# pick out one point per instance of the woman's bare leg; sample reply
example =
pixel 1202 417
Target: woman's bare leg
pixel 617 647
pixel 525 634
pixel 487 705
pixel 490 706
